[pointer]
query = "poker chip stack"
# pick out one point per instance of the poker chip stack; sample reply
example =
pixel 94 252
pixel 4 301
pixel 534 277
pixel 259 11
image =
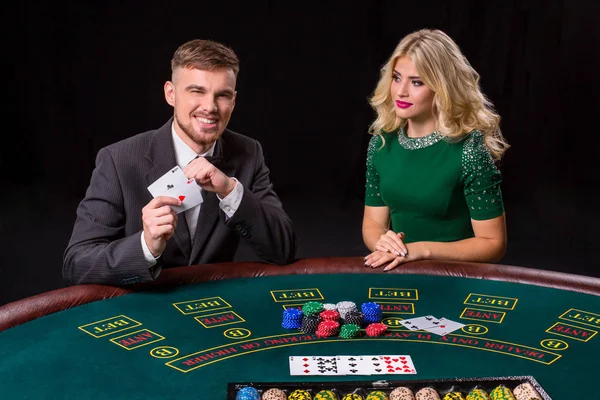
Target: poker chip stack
pixel 371 313
pixel 274 394
pixel 247 393
pixel 292 318
pixel 344 307
pixel 326 395
pixel 349 331
pixel 300 394
pixel 454 396
pixel 330 315
pixel 312 307
pixel 354 317
pixel 310 323
pixel 376 329
pixel 329 319
pixel 501 393
pixel 328 328
pixel 478 394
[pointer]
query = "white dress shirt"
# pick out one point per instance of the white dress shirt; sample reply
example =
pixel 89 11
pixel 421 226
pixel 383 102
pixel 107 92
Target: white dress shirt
pixel 183 156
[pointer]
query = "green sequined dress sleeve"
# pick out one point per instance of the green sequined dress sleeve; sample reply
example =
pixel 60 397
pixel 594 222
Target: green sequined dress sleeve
pixel 481 179
pixel 372 194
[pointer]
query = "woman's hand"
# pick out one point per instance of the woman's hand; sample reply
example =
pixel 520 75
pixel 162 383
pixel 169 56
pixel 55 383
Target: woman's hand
pixel 391 242
pixel 416 251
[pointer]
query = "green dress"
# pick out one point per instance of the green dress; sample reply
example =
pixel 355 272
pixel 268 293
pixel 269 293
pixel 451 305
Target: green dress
pixel 433 187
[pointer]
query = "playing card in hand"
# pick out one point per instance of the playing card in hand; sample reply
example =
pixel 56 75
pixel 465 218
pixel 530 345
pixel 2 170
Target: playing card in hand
pixel 167 182
pixel 175 184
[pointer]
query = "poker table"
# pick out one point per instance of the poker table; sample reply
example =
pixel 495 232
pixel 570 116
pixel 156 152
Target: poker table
pixel 201 331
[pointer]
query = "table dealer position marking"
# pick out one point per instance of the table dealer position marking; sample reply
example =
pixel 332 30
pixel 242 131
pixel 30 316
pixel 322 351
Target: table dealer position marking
pixel 554 344
pixel 237 333
pixel 164 352
pixel 474 329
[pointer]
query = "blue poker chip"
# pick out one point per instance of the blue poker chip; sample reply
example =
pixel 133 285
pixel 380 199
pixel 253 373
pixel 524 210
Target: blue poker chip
pixel 292 313
pixel 370 307
pixel 292 318
pixel 371 312
pixel 247 393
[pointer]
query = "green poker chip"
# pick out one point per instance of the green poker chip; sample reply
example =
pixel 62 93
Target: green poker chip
pixel 312 307
pixel 349 331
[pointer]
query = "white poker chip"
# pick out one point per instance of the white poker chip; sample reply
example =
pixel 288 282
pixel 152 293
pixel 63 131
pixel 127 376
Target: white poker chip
pixel 329 306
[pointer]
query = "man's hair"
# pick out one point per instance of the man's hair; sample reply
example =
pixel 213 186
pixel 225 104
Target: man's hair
pixel 205 55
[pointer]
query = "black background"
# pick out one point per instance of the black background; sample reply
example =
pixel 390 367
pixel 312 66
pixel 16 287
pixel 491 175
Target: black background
pixel 82 76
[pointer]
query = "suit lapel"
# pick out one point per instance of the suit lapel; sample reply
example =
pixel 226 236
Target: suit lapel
pixel 162 155
pixel 209 211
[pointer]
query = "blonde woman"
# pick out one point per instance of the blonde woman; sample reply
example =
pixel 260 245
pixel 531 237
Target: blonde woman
pixel 433 188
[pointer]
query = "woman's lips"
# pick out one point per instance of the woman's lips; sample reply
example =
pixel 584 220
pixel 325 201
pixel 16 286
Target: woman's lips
pixel 403 104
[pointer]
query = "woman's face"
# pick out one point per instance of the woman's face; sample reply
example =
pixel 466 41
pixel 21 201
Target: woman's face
pixel 412 99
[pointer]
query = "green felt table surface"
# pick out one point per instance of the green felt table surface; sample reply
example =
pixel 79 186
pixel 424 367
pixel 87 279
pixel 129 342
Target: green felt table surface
pixel 190 341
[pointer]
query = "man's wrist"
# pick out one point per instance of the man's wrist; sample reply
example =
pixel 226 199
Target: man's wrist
pixel 230 186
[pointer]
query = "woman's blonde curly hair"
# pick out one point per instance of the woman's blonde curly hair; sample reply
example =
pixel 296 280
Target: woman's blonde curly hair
pixel 459 104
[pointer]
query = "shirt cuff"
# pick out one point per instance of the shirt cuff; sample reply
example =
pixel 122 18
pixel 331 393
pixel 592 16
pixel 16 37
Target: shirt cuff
pixel 232 201
pixel 150 259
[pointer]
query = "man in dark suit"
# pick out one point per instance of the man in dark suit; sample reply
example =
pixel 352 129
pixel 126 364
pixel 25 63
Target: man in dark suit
pixel 122 235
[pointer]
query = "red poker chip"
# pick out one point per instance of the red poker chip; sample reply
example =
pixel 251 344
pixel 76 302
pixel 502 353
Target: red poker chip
pixel 376 329
pixel 328 328
pixel 330 315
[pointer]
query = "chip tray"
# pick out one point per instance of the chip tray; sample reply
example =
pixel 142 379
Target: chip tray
pixel 442 386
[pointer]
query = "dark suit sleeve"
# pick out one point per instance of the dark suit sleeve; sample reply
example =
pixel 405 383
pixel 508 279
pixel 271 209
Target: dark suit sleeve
pixel 99 251
pixel 261 220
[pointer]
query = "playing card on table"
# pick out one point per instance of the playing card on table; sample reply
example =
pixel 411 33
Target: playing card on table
pixel 418 323
pixel 445 326
pixel 353 365
pixel 167 182
pixel 391 364
pixel 313 365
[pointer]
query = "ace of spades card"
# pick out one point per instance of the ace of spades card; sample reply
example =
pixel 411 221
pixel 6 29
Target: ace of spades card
pixel 175 184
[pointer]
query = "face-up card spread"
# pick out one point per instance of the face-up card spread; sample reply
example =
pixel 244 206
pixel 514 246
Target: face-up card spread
pixel 313 365
pixel 445 326
pixel 418 323
pixel 353 365
pixel 175 184
pixel 395 364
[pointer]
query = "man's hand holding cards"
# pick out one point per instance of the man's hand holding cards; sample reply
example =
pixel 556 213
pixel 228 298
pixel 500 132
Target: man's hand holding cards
pixel 175 184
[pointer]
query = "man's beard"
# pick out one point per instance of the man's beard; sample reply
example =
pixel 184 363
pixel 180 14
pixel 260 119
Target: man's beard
pixel 191 133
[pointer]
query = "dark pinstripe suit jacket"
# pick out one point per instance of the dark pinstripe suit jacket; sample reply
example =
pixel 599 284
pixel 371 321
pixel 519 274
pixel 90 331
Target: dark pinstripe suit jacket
pixel 105 245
